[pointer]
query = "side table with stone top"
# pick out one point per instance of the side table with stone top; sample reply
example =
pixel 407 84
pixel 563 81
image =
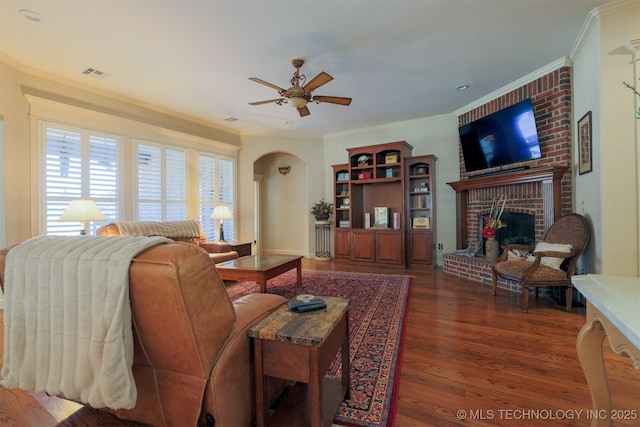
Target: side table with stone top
pixel 301 347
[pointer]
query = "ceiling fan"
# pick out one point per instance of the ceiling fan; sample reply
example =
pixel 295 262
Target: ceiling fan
pixel 298 96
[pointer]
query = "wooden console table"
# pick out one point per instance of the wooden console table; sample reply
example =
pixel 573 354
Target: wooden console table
pixel 613 304
pixel 301 347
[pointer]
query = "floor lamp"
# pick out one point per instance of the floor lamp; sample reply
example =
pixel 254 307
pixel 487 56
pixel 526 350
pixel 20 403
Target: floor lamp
pixel 221 212
pixel 82 211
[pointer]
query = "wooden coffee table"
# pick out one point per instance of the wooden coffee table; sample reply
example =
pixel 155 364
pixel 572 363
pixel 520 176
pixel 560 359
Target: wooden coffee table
pixel 260 268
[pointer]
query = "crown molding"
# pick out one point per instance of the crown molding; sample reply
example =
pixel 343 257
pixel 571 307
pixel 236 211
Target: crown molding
pixel 562 62
pixel 617 6
pixel 590 24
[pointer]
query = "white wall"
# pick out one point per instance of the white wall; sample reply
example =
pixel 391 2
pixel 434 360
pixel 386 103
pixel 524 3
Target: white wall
pixel 587 193
pixel 608 196
pixel 618 146
pixel 288 226
pixel 432 135
pixel 2 218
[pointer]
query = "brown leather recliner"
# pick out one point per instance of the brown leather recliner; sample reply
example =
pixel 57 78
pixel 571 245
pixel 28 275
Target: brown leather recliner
pixel 192 353
pixel 218 251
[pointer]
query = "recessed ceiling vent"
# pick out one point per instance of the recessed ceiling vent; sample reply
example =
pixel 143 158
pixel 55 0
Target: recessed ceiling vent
pixel 95 73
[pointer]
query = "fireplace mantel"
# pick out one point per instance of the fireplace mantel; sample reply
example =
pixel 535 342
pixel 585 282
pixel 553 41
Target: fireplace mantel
pixel 549 176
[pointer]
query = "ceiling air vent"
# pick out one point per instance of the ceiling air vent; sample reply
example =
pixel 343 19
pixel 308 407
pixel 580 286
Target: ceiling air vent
pixel 95 73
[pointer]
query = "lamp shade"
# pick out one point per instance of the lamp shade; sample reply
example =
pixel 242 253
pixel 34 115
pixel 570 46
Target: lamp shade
pixel 222 212
pixel 82 210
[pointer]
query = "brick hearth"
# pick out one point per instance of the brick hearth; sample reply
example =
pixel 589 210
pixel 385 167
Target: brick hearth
pixel 475 269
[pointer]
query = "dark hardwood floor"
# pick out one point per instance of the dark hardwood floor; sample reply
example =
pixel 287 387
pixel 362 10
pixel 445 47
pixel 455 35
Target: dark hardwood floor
pixel 467 354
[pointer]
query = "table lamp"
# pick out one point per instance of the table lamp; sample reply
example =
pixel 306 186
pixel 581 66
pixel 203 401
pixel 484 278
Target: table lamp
pixel 222 212
pixel 82 211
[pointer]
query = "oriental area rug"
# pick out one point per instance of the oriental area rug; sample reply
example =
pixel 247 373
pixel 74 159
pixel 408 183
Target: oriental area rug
pixel 379 306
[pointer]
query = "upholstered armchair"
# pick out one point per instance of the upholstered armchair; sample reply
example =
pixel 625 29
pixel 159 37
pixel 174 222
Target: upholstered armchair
pixel 550 263
pixel 192 357
pixel 188 231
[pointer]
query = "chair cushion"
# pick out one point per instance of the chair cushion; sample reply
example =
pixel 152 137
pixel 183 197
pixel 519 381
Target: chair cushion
pixel 551 247
pixel 544 275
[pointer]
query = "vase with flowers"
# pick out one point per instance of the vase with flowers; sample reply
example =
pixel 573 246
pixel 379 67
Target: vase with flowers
pixel 493 222
pixel 321 210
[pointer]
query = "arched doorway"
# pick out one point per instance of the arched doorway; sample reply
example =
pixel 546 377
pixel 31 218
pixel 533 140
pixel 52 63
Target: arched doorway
pixel 280 204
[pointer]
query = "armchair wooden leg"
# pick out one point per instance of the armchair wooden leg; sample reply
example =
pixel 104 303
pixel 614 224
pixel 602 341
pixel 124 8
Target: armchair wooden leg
pixel 526 300
pixel 569 297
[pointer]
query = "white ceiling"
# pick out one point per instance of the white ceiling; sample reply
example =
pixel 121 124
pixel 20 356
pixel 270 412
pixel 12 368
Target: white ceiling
pixel 397 59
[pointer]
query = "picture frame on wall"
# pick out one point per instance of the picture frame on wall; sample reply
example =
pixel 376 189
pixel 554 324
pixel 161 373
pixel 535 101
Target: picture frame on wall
pixel 585 149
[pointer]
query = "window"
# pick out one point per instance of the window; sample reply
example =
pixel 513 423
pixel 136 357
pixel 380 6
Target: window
pixel 209 181
pixel 79 164
pixel 162 183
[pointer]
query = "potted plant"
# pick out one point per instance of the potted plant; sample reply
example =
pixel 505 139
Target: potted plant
pixel 321 210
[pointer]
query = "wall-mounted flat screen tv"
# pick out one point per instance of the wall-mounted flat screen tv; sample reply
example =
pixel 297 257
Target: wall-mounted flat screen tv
pixel 504 137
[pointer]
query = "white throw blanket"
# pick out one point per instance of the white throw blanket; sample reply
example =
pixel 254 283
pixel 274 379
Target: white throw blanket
pixel 67 318
pixel 187 228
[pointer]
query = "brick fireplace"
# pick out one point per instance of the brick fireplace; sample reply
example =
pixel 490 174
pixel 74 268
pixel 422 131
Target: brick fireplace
pixel 543 190
pixel 536 192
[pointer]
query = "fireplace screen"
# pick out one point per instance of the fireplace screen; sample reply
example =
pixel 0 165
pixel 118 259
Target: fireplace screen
pixel 520 229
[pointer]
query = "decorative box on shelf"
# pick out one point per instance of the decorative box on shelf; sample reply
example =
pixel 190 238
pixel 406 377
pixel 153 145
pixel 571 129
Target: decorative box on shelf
pixel 343 176
pixel 364 175
pixel 421 170
pixel 391 158
pixel 421 222
pixel 343 224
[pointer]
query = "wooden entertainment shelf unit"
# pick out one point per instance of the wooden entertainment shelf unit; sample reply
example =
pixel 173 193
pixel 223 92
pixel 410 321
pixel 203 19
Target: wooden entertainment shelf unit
pixel 385 206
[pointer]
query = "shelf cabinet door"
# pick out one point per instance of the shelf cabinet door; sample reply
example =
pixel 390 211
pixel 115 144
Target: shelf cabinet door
pixel 342 244
pixel 390 248
pixel 420 247
pixel 363 247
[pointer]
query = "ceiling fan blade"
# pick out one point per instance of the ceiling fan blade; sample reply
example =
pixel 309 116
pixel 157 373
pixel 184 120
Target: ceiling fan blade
pixel 318 81
pixel 304 111
pixel 267 101
pixel 257 80
pixel 333 99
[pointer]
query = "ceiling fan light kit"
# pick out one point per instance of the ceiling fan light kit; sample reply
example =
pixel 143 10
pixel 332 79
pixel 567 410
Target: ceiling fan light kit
pixel 297 102
pixel 299 96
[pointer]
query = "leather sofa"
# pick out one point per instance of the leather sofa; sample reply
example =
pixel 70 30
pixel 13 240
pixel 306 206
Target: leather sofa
pixel 192 354
pixel 218 251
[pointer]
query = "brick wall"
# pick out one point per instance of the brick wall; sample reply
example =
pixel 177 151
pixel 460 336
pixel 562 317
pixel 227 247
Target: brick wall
pixel 551 99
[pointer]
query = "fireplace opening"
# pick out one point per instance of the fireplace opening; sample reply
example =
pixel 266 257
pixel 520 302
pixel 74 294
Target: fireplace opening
pixel 520 229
